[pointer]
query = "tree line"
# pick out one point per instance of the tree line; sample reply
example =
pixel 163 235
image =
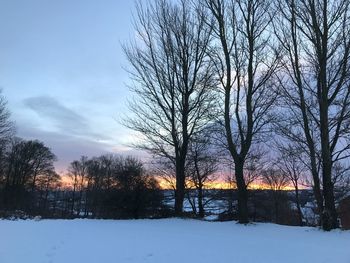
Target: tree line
pixel 112 186
pixel 258 76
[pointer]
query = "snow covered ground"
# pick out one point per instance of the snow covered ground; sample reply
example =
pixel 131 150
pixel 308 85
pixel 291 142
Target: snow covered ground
pixel 167 241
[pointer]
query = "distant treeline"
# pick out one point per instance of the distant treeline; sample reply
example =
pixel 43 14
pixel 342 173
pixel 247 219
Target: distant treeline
pixel 112 186
pixel 103 187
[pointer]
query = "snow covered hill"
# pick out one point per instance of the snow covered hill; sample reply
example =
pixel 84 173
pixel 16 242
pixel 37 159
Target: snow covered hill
pixel 167 241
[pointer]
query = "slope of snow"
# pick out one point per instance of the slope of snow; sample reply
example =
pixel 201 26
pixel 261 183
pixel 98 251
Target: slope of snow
pixel 166 241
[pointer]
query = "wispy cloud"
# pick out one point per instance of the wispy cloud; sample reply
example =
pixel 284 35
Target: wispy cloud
pixel 63 118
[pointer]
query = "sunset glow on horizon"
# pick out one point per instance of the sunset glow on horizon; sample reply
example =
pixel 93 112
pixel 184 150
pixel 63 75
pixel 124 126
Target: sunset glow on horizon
pixel 215 185
pixel 223 185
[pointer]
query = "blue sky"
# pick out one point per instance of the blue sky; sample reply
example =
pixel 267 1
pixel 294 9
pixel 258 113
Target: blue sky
pixel 61 70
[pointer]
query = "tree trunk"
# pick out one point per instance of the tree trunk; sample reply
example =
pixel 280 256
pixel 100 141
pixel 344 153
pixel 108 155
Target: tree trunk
pixel 180 188
pixel 317 193
pixel 242 194
pixel 329 215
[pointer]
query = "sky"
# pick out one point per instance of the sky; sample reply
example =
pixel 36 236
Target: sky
pixel 62 72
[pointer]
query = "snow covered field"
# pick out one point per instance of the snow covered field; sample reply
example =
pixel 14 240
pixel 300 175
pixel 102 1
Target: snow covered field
pixel 166 241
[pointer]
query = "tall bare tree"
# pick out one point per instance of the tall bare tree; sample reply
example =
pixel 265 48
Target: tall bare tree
pixel 173 80
pixel 245 63
pixel 316 38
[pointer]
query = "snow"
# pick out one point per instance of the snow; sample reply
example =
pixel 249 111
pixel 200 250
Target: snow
pixel 167 240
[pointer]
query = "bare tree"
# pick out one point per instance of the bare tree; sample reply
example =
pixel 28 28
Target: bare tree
pixel 173 80
pixel 245 63
pixel 276 181
pixel 25 162
pixel 201 167
pixel 316 82
pixel 289 163
pixel 48 182
pixel 120 187
pixel 78 172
